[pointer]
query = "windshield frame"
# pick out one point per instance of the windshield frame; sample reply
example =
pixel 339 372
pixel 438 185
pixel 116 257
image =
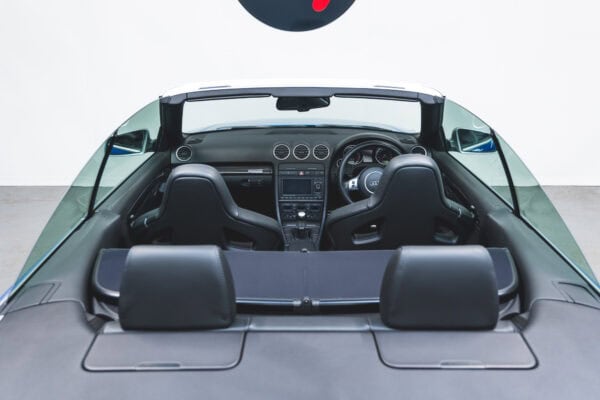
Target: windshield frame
pixel 409 110
pixel 172 105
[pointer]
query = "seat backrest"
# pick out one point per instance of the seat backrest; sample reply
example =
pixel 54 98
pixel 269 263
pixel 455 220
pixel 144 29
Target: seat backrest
pixel 409 207
pixel 198 209
pixel 440 287
pixel 176 288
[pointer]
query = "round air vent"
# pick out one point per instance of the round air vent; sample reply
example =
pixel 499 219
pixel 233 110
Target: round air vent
pixel 321 152
pixel 419 150
pixel 281 152
pixel 184 153
pixel 301 152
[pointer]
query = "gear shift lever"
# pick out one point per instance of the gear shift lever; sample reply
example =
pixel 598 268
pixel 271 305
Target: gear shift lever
pixel 301 225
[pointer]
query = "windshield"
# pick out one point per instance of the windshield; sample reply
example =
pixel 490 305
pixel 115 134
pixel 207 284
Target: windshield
pixel 221 114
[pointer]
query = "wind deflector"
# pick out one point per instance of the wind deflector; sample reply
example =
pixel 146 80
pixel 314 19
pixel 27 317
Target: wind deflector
pixel 302 282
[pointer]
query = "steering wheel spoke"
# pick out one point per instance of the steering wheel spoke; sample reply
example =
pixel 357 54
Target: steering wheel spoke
pixel 352 184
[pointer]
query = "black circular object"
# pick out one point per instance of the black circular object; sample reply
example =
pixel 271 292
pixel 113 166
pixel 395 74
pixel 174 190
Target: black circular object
pixel 184 153
pixel 419 150
pixel 301 152
pixel 296 15
pixel 281 152
pixel 368 180
pixel 321 152
pixel 384 155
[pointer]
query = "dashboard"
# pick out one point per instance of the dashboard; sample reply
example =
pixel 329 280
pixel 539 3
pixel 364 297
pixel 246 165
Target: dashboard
pixel 271 146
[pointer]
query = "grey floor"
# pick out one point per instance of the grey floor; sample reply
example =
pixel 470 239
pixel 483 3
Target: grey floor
pixel 25 210
pixel 580 209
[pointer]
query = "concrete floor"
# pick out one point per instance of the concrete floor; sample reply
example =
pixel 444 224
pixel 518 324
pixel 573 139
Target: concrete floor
pixel 579 206
pixel 25 210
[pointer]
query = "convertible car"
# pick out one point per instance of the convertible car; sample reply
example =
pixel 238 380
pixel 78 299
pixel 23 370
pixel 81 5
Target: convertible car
pixel 303 241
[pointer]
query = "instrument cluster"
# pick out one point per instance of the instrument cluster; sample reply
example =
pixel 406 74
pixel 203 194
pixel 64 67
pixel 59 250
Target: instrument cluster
pixel 377 154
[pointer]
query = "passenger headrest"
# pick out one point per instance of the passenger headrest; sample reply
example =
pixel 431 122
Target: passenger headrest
pixel 440 287
pixel 194 171
pixel 176 288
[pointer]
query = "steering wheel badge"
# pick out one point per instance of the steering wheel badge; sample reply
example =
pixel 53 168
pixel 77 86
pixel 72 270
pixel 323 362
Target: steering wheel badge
pixel 372 180
pixel 368 180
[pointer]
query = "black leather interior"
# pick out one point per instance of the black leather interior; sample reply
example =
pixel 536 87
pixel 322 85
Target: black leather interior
pixel 197 208
pixel 440 287
pixel 409 207
pixel 176 288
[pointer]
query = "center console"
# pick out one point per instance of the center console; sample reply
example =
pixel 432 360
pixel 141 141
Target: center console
pixel 301 196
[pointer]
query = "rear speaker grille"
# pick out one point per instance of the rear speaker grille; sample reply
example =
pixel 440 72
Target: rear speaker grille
pixel 301 152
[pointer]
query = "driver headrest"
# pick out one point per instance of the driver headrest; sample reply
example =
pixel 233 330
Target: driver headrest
pixel 404 161
pixel 440 287
pixel 405 170
pixel 176 288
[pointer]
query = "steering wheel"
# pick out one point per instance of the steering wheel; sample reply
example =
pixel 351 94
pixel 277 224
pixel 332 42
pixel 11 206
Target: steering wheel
pixel 368 180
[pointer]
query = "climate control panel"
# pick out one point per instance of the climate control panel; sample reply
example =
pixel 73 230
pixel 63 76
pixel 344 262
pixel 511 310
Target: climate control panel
pixel 305 211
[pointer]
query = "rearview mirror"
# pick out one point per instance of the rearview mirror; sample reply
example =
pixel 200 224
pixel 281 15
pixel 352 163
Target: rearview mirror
pixel 301 104
pixel 130 143
pixel 470 141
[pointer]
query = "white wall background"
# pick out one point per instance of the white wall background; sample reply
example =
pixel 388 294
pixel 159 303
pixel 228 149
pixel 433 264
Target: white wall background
pixel 71 71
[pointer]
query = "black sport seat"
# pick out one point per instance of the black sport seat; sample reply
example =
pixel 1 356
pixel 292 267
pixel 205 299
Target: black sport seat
pixel 408 208
pixel 440 287
pixel 197 208
pixel 441 303
pixel 176 312
pixel 176 288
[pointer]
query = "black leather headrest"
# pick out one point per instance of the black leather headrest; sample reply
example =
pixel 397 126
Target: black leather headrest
pixel 413 162
pixel 185 173
pixel 440 287
pixel 176 288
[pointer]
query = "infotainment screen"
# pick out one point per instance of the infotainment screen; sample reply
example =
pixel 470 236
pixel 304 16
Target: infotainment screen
pixel 296 186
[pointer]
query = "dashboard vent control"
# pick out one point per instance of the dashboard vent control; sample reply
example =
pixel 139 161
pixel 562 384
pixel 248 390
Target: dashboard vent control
pixel 301 152
pixel 281 152
pixel 321 152
pixel 184 153
pixel 419 150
